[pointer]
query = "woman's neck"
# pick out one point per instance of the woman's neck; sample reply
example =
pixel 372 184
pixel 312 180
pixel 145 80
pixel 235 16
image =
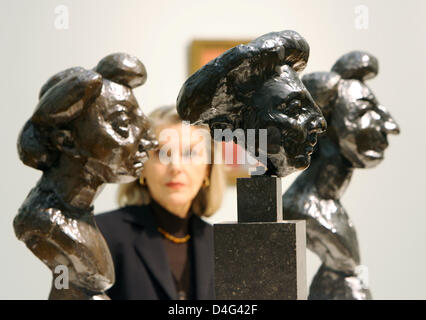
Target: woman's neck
pixel 180 210
pixel 169 221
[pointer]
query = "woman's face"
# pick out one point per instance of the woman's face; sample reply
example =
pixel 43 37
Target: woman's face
pixel 114 135
pixel 175 172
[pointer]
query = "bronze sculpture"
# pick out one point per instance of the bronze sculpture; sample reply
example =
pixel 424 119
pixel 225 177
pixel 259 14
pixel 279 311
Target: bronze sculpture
pixel 356 138
pixel 256 86
pixel 87 130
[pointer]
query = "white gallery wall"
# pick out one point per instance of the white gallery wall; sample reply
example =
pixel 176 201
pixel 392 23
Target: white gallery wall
pixel 385 203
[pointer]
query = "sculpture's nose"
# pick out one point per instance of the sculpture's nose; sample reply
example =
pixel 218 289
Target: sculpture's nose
pixel 317 124
pixel 391 127
pixel 389 124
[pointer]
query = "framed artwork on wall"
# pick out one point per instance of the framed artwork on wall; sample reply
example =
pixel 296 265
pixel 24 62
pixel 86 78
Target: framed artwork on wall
pixel 202 51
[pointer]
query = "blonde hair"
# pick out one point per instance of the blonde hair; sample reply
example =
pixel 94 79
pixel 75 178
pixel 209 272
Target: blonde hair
pixel 208 199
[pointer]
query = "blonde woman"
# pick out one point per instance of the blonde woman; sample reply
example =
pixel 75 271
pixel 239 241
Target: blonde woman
pixel 161 247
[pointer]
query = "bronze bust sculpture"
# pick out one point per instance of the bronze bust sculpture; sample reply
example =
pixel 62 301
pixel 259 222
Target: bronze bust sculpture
pixel 87 130
pixel 356 138
pixel 256 86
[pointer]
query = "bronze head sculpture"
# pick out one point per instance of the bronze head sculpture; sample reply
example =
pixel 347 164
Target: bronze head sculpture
pixel 360 124
pixel 356 137
pixel 87 130
pixel 256 86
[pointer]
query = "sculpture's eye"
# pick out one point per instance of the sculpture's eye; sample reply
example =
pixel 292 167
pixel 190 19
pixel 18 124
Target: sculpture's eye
pixel 120 123
pixel 292 108
pixel 282 107
pixel 296 103
pixel 363 107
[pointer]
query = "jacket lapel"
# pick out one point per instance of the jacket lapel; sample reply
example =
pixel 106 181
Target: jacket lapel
pixel 203 258
pixel 149 246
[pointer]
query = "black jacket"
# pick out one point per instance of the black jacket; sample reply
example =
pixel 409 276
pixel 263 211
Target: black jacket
pixel 141 267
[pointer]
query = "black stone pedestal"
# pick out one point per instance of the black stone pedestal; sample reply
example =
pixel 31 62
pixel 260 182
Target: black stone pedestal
pixel 260 259
pixel 259 199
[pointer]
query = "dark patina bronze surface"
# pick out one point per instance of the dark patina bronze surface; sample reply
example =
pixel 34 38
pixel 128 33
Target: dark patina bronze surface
pixel 87 130
pixel 256 86
pixel 356 138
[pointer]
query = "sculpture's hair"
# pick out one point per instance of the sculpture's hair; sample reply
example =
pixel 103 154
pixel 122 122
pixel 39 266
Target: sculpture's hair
pixel 219 91
pixel 357 65
pixel 323 86
pixel 63 98
pixel 207 201
pixel 122 68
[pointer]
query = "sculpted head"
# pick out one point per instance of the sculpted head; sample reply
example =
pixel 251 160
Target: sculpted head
pixel 91 116
pixel 357 122
pixel 256 86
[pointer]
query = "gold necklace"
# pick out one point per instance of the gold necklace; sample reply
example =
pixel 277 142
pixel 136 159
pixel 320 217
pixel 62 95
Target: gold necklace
pixel 172 238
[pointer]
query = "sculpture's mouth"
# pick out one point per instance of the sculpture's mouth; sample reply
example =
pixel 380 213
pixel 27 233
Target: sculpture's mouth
pixel 310 143
pixel 309 149
pixel 312 139
pixel 373 154
pixel 295 151
pixel 298 147
pixel 372 144
pixel 306 148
